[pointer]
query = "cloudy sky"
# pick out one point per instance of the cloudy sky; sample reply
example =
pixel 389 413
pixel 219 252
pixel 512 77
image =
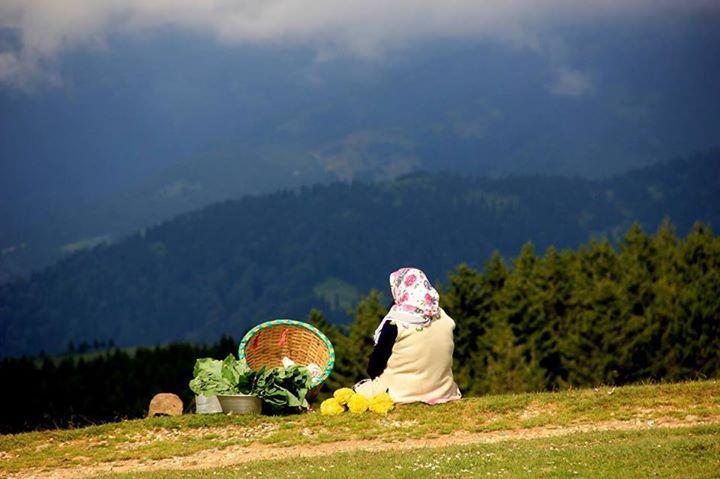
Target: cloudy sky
pixel 35 32
pixel 178 103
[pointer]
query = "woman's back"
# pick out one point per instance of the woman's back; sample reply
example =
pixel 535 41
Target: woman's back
pixel 420 366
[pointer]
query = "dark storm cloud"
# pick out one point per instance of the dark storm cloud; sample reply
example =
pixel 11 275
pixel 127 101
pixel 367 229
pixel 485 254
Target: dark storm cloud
pixel 331 27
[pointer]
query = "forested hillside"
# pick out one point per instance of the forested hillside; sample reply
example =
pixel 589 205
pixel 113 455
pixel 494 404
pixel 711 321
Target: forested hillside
pixel 646 309
pixel 232 264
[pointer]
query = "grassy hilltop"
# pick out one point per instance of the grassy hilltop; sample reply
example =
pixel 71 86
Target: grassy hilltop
pixel 668 430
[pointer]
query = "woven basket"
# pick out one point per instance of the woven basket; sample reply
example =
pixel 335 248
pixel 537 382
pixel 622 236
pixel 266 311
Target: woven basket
pixel 268 343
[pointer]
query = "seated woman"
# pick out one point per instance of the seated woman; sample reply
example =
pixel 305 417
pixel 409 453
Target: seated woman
pixel 413 354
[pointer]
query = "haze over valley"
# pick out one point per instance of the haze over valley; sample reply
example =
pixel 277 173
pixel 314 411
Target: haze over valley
pixel 129 117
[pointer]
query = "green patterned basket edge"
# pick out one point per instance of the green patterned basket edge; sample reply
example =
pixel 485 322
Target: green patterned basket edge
pixel 291 322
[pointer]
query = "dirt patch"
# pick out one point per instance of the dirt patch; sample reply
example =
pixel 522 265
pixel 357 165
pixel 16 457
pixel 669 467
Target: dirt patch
pixel 145 438
pixel 535 409
pixel 233 455
pixel 398 424
pixel 645 411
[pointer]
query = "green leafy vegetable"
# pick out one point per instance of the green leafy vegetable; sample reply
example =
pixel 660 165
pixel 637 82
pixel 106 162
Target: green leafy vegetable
pixel 281 389
pixel 232 370
pixel 214 377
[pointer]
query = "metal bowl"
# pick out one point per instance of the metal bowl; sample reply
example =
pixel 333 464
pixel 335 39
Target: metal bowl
pixel 240 404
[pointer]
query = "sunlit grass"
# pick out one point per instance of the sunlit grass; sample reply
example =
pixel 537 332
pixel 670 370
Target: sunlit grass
pixel 167 437
pixel 671 453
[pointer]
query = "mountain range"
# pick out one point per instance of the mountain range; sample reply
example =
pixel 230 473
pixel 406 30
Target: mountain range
pixel 156 125
pixel 227 266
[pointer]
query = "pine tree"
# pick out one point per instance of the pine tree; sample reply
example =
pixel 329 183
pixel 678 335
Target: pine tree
pixel 470 300
pixel 368 314
pixel 551 298
pixel 699 331
pixel 509 369
pixel 593 313
pixel 342 375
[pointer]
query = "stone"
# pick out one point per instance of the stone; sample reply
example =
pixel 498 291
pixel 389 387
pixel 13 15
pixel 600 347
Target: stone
pixel 165 404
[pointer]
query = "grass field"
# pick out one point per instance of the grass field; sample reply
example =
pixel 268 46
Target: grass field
pixel 667 430
pixel 677 453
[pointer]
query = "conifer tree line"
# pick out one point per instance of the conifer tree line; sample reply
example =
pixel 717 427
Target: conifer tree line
pixel 79 389
pixel 647 308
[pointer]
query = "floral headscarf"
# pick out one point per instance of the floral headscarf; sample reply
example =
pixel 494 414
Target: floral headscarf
pixel 413 294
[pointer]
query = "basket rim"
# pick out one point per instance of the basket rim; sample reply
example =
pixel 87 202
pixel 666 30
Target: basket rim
pixel 291 322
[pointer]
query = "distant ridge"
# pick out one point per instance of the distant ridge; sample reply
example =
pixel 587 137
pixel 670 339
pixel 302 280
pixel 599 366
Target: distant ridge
pixel 231 264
